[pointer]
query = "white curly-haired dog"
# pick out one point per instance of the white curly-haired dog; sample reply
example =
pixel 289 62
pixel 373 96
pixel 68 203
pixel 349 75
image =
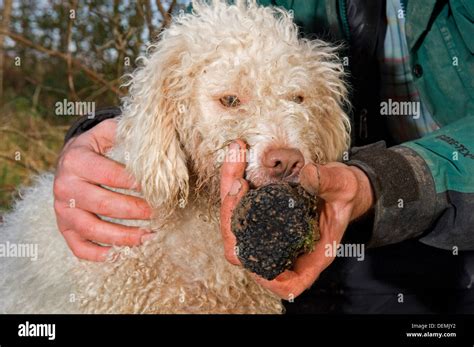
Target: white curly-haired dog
pixel 223 72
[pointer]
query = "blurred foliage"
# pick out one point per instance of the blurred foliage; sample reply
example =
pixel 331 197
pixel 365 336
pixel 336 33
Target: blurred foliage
pixel 30 144
pixel 101 39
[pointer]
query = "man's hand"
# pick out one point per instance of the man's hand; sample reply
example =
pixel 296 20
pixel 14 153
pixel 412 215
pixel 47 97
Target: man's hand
pixel 346 193
pixel 233 188
pixel 82 167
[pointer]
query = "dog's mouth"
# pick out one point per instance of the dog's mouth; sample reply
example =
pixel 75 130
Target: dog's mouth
pixel 258 179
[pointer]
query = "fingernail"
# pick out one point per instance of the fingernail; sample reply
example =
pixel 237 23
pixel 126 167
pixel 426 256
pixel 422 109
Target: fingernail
pixel 235 188
pixel 147 237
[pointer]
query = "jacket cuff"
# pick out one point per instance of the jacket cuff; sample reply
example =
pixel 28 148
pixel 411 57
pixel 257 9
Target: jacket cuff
pixel 404 190
pixel 85 123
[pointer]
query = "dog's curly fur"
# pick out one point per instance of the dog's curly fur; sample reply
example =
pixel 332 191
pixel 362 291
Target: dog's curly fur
pixel 171 136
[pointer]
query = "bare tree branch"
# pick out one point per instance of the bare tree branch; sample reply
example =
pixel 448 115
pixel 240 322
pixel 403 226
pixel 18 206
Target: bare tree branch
pixel 165 14
pixel 19 162
pixel 7 9
pixel 145 11
pixel 89 72
pixel 44 87
pixel 106 45
pixel 70 77
pixel 105 16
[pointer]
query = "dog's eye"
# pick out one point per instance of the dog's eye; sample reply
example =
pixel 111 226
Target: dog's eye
pixel 230 101
pixel 297 99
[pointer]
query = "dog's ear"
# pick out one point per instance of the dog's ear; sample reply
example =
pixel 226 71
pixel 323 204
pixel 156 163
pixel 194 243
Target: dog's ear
pixel 333 105
pixel 158 98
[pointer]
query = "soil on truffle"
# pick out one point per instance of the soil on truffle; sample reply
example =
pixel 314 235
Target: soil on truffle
pixel 273 225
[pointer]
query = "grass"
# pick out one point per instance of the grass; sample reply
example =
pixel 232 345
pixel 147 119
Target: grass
pixel 29 144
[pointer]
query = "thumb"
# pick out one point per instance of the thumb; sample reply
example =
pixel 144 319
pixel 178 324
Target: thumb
pixel 234 166
pixel 325 181
pixel 238 189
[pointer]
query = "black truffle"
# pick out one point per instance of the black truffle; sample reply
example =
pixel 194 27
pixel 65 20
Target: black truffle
pixel 273 225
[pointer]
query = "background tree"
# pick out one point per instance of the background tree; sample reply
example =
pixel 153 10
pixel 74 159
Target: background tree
pixel 5 25
pixel 51 50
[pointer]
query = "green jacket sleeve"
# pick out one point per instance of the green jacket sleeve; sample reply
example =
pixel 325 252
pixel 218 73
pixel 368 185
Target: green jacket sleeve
pixel 423 188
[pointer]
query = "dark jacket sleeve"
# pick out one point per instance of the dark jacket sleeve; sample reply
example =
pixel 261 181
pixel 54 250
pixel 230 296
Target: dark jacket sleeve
pixel 424 188
pixel 85 123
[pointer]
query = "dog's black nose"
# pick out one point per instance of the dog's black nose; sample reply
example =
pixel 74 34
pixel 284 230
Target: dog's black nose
pixel 283 162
